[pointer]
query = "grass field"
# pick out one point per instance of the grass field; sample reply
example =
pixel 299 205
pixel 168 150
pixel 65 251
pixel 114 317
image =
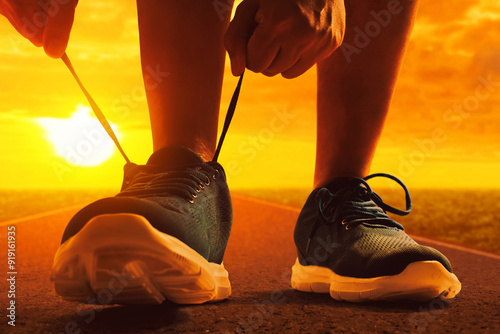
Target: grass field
pixel 467 217
pixel 21 203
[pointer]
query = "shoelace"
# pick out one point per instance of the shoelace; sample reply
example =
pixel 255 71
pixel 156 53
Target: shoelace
pixel 185 183
pixel 357 204
pixel 154 181
pixel 105 124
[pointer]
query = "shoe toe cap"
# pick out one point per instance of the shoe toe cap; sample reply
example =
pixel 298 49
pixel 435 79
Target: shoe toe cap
pixel 394 261
pixel 168 221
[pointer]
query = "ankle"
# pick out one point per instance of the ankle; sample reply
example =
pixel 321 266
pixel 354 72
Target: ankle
pixel 206 152
pixel 321 180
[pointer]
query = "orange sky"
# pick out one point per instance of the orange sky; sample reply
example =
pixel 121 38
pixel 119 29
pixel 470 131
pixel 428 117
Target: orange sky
pixel 455 46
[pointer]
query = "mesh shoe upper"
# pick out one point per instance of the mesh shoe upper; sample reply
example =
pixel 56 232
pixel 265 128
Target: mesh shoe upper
pixel 179 194
pixel 344 226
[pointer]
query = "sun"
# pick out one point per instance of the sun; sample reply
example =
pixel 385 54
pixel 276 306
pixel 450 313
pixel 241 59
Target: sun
pixel 79 139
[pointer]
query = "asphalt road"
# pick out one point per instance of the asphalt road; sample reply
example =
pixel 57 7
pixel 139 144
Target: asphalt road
pixel 258 258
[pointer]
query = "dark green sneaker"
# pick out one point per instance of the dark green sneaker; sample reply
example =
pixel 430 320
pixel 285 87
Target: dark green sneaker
pixel 162 237
pixel 347 246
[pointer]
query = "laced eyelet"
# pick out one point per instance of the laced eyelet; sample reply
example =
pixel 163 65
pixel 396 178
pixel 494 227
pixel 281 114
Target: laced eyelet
pixel 344 222
pixel 194 195
pixel 207 182
pixel 201 187
pixel 347 227
pixel 362 191
pixel 191 200
pixel 216 173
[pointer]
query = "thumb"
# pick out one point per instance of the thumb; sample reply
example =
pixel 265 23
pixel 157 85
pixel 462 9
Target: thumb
pixel 60 19
pixel 238 34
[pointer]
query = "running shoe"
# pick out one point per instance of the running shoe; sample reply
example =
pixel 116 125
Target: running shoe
pixel 162 237
pixel 349 247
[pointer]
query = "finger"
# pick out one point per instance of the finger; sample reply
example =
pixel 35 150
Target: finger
pixel 58 27
pixel 261 50
pixel 283 61
pixel 299 68
pixel 326 51
pixel 303 64
pixel 238 33
pixel 28 20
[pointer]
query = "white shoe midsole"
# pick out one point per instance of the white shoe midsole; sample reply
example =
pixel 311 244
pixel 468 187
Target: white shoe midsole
pixel 419 281
pixel 157 265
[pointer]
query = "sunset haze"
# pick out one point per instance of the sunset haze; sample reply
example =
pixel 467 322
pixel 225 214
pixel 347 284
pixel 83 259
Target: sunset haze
pixel 443 129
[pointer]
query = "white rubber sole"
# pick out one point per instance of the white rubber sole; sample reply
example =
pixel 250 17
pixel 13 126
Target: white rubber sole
pixel 420 281
pixel 122 259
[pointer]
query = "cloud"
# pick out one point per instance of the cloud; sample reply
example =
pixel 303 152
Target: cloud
pixel 443 12
pixel 484 10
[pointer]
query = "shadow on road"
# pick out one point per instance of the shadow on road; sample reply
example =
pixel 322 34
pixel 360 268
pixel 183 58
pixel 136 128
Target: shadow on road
pixel 124 319
pixel 297 298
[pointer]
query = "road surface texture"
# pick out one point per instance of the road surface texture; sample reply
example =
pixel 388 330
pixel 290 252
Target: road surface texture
pixel 258 258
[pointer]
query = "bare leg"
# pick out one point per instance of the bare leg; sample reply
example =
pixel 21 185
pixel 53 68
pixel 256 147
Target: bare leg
pixel 185 39
pixel 355 86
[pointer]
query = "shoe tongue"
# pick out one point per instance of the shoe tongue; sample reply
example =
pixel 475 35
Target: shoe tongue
pixel 174 156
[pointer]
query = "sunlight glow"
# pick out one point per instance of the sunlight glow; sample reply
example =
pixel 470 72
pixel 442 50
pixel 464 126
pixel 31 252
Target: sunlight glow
pixel 80 139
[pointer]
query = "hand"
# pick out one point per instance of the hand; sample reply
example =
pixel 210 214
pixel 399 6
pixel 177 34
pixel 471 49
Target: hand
pixel 45 23
pixel 284 36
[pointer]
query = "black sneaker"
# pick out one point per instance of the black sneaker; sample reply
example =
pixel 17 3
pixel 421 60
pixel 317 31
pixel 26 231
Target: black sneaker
pixel 347 246
pixel 162 237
